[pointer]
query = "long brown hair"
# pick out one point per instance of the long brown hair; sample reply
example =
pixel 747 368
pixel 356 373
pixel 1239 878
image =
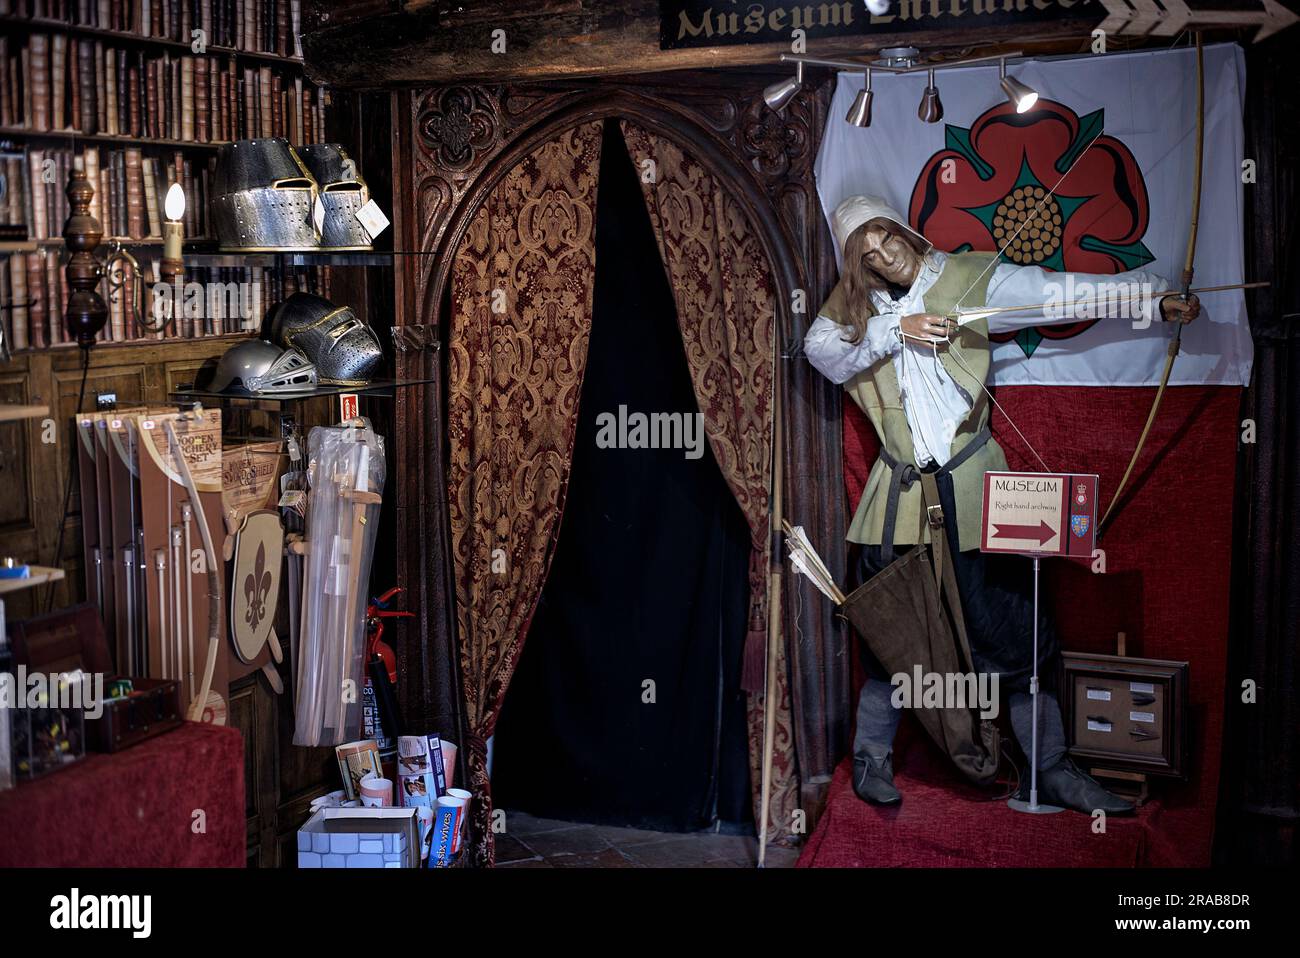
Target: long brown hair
pixel 860 280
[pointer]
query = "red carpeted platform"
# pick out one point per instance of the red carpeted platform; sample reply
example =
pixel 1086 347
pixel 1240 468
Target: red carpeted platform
pixel 1165 585
pixel 135 808
pixel 943 822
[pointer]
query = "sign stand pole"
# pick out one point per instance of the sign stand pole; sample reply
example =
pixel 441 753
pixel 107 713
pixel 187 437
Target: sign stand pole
pixel 1032 807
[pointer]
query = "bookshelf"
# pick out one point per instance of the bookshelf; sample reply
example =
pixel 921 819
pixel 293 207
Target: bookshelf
pixel 141 94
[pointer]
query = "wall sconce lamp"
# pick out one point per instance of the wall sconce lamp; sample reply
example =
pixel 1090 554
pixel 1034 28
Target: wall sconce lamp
pixel 931 109
pixel 859 114
pixel 899 60
pixel 782 92
pixel 1021 96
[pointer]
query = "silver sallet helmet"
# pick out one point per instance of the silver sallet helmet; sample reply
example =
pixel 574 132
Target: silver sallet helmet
pixel 342 193
pixel 344 350
pixel 263 198
pixel 256 367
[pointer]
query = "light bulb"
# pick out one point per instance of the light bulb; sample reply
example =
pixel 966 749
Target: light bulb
pixel 174 204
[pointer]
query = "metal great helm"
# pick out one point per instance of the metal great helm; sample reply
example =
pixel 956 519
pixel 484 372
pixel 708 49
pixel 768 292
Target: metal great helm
pixel 344 350
pixel 342 192
pixel 261 368
pixel 263 198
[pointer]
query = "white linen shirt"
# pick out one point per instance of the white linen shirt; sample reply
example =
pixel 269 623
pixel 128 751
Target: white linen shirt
pixel 934 404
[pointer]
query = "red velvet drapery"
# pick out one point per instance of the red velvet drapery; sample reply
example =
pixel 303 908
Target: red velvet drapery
pixel 522 285
pixel 521 316
pixel 725 298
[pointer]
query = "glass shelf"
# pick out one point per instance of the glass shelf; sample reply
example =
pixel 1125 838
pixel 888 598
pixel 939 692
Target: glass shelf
pixel 379 388
pixel 323 258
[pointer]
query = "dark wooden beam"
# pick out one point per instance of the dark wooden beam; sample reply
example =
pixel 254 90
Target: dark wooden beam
pixel 423 42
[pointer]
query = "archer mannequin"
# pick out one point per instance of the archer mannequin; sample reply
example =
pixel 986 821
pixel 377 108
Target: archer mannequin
pixel 921 379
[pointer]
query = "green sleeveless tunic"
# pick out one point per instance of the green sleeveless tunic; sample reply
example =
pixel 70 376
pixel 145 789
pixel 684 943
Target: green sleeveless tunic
pixel 876 392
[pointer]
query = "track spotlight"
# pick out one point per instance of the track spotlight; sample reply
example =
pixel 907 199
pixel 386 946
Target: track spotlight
pixel 1022 97
pixel 782 92
pixel 860 113
pixel 930 110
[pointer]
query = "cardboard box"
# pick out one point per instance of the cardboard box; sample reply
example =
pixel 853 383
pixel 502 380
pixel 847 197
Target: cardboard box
pixel 360 838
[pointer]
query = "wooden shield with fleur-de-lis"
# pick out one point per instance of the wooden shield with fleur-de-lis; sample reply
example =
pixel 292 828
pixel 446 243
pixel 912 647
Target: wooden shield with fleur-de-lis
pixel 255 583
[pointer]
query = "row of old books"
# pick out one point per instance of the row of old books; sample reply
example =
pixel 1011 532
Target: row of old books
pixel 55 83
pixel 207 301
pixel 256 26
pixel 129 190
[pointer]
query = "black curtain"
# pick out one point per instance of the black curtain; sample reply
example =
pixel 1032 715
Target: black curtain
pixel 625 708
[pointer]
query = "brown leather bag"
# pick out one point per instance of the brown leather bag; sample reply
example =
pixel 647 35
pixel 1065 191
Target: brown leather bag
pixel 899 612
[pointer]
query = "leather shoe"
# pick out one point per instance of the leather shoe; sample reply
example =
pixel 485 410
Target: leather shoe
pixel 1066 785
pixel 875 783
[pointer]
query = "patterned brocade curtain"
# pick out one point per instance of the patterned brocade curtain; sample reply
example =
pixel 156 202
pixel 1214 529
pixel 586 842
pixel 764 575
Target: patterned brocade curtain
pixel 521 289
pixel 726 306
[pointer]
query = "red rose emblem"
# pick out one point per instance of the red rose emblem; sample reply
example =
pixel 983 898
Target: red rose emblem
pixel 988 189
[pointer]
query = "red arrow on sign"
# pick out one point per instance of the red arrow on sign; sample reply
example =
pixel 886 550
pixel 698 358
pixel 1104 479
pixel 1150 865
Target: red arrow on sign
pixel 1042 532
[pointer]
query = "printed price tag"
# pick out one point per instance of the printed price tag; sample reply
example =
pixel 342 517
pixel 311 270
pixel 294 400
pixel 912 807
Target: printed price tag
pixel 372 218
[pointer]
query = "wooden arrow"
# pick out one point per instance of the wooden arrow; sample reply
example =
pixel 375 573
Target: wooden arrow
pixel 1164 18
pixel 967 315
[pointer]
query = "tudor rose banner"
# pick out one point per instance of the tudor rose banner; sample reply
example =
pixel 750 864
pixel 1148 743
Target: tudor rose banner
pixel 1125 204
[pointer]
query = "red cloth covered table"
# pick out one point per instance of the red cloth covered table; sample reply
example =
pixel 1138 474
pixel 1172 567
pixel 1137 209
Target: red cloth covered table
pixel 135 808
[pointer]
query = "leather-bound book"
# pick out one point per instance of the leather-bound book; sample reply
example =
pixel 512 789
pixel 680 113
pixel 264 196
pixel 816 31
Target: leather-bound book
pixel 123 95
pixel 232 99
pixel 15 194
pixel 150 92
pixel 187 23
pixel 277 107
pixel 90 163
pixel 111 89
pixel 250 104
pixel 53 296
pixel 101 101
pixel 187 98
pixel 89 111
pixel 18 291
pixel 295 26
pixel 58 80
pixel 156 18
pixel 133 85
pixel 38 77
pixel 36 293
pixel 135 213
pixel 6 97
pixel 104 18
pixel 201 132
pixel 74 85
pixel 283 43
pixel 151 197
pixel 36 190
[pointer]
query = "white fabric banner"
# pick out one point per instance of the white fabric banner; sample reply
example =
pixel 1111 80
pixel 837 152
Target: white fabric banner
pixel 1125 202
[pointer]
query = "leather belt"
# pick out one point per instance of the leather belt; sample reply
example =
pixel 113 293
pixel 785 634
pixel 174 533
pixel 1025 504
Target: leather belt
pixel 903 474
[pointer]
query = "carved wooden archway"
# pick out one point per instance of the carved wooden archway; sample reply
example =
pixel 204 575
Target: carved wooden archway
pixel 454 145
